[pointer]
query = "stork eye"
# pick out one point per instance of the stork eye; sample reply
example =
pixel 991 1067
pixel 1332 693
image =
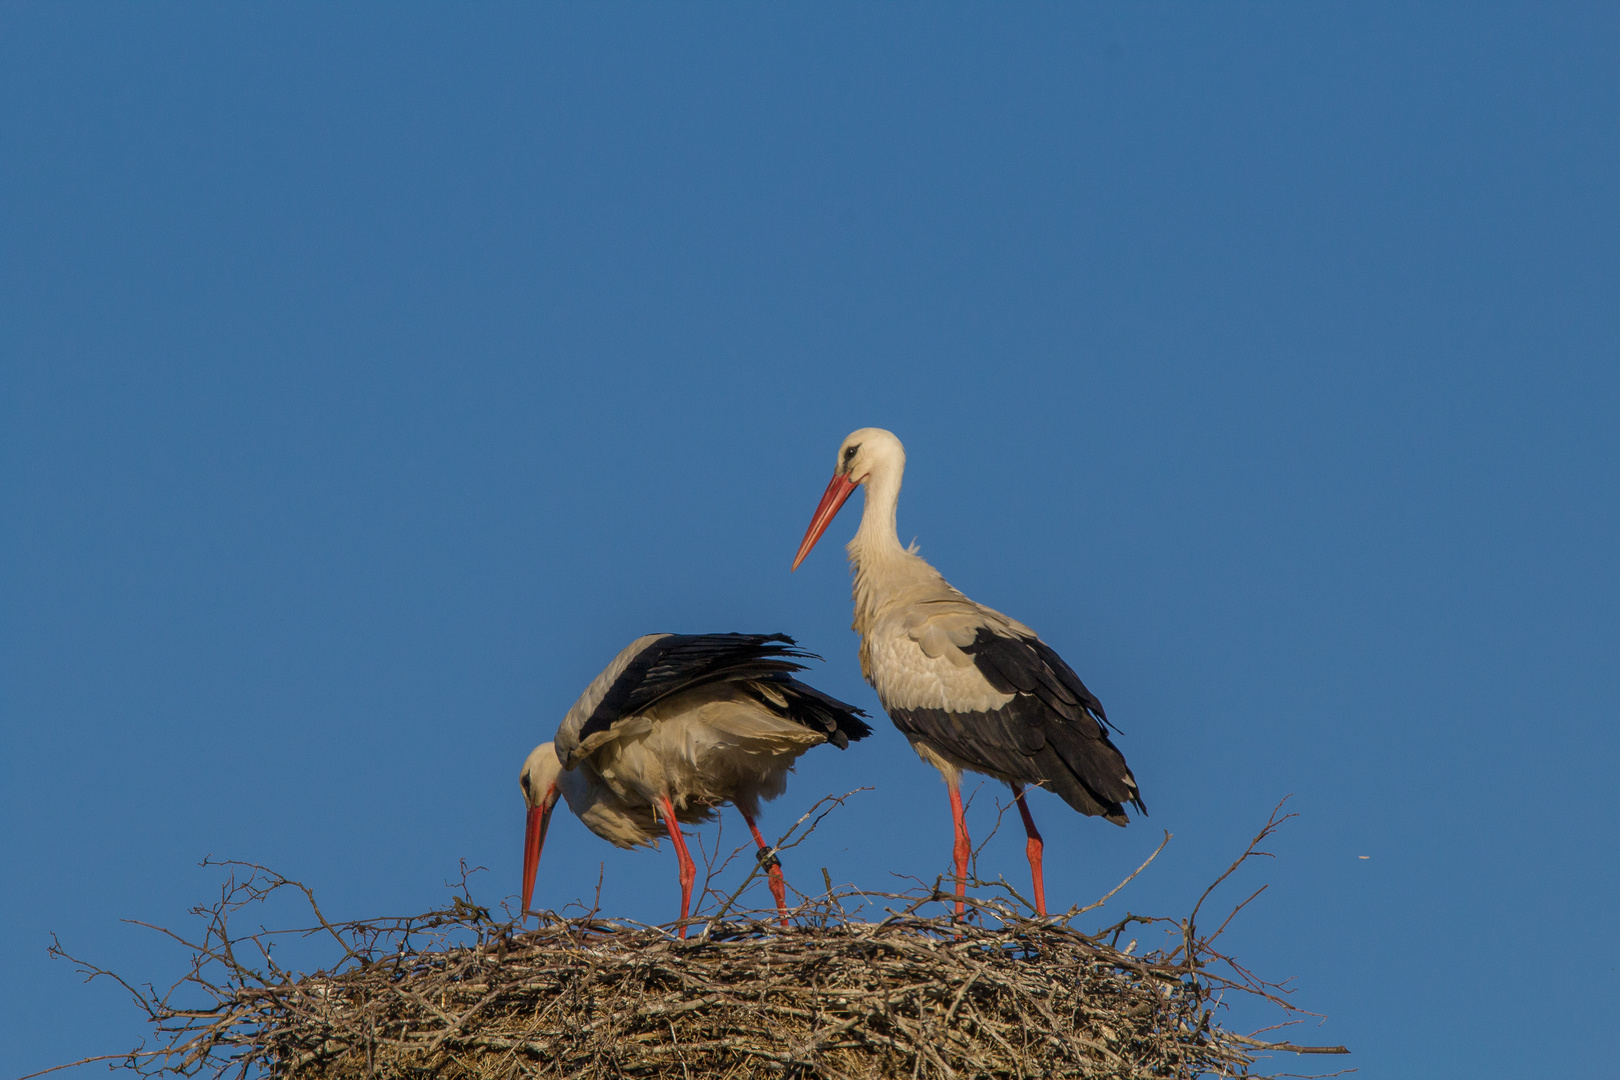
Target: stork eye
pixel 849 454
pixel 524 780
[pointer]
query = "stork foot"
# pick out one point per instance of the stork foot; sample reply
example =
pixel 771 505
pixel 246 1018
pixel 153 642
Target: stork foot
pixel 1032 848
pixel 684 858
pixel 779 891
pixel 962 850
pixel 772 866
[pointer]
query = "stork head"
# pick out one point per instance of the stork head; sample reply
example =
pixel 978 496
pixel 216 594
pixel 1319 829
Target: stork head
pixel 540 790
pixel 864 455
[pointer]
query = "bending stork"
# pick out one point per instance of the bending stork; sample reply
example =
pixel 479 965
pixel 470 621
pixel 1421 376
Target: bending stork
pixel 676 725
pixel 970 688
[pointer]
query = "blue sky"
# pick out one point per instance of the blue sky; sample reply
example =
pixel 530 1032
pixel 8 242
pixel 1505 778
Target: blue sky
pixel 372 374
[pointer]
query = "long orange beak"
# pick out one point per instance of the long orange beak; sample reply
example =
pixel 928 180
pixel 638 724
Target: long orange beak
pixel 534 838
pixel 831 500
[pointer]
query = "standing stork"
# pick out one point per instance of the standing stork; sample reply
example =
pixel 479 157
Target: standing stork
pixel 970 688
pixel 676 725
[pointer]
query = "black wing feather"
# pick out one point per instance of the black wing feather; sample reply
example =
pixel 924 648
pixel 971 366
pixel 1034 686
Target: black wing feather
pixel 1053 733
pixel 1029 666
pixel 806 705
pixel 681 661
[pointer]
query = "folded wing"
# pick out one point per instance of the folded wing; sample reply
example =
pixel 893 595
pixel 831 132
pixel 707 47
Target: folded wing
pixel 656 666
pixel 1032 720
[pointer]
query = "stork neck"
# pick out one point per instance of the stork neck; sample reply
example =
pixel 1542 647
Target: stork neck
pixel 878 534
pixel 878 562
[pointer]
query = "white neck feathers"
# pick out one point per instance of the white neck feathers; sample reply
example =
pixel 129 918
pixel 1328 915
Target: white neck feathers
pixel 883 571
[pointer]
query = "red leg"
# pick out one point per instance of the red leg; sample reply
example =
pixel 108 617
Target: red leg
pixel 963 848
pixel 684 857
pixel 1033 850
pixel 778 885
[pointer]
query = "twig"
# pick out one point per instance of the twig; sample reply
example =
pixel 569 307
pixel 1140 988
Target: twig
pixel 1109 895
pixel 1271 826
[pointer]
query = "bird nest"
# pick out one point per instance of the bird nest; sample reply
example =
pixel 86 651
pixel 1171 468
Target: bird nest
pixel 840 993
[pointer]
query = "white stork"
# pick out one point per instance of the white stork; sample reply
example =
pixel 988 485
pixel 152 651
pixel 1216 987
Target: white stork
pixel 676 725
pixel 970 688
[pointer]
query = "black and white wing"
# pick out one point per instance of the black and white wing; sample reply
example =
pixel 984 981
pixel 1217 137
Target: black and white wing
pixel 656 666
pixel 988 694
pixel 791 699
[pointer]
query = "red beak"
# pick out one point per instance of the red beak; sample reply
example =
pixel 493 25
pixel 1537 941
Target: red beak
pixel 533 839
pixel 831 500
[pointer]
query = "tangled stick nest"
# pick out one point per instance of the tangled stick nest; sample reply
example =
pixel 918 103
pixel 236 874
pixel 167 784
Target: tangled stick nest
pixel 457 994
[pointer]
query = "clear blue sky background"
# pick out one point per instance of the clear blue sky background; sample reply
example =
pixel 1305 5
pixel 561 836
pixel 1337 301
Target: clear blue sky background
pixel 372 373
